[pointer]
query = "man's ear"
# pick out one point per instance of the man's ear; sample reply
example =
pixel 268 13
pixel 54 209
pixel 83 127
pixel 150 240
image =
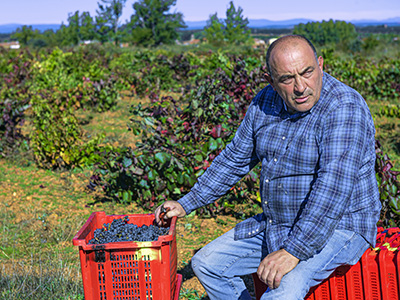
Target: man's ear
pixel 269 79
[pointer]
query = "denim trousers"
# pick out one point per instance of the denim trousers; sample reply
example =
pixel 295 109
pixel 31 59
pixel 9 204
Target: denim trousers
pixel 219 265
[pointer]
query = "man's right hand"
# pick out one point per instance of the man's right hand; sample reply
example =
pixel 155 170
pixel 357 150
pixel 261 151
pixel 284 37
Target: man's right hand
pixel 175 210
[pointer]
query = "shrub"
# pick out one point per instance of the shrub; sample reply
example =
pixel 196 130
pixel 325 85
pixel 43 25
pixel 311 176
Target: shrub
pixel 177 145
pixel 389 189
pixel 14 101
pixel 57 140
pixel 88 85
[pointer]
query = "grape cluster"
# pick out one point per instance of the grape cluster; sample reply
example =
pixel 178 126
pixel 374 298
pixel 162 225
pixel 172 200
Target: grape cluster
pixel 119 230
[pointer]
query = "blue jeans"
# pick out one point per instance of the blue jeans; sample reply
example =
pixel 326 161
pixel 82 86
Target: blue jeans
pixel 219 265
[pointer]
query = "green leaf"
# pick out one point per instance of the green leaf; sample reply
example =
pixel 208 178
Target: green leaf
pixel 143 183
pixel 213 145
pixel 126 197
pixel 136 170
pixel 152 174
pixel 127 162
pixel 179 164
pixel 162 157
pixel 199 173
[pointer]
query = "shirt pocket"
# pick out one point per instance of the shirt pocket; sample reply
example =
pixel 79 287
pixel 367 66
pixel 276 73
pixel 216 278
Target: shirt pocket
pixel 301 156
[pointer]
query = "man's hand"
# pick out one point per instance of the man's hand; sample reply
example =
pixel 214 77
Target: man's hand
pixel 175 209
pixel 274 266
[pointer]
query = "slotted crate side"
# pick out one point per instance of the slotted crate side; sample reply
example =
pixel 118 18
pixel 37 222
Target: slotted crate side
pixel 389 274
pixel 354 283
pixel 370 271
pixel 322 291
pixel 337 283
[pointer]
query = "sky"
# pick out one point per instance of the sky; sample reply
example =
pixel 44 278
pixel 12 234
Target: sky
pixel 57 11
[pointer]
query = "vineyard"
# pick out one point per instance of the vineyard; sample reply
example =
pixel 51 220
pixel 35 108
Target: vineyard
pixel 121 130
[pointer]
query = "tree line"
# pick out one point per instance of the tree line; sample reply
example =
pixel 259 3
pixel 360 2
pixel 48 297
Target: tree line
pixel 153 24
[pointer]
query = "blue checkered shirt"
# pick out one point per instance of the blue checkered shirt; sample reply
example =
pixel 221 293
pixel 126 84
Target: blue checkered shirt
pixel 317 170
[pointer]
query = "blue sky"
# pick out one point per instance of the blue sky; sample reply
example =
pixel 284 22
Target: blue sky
pixel 56 11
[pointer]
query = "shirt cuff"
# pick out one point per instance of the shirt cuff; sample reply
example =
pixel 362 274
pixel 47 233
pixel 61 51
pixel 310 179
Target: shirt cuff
pixel 296 248
pixel 188 202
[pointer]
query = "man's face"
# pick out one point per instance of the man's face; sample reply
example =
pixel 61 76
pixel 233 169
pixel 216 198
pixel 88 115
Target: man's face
pixel 296 75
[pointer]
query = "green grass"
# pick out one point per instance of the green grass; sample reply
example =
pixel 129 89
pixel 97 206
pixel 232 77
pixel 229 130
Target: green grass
pixel 191 294
pixel 40 276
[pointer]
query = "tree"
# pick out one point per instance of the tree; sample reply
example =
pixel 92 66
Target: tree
pixel 233 30
pixel 236 30
pixel 49 36
pixel 25 34
pixel 328 32
pixel 80 27
pixel 72 36
pixel 214 31
pixel 109 14
pixel 152 24
pixel 87 27
pixel 102 29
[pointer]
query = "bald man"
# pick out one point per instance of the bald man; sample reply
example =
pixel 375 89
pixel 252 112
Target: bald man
pixel 315 139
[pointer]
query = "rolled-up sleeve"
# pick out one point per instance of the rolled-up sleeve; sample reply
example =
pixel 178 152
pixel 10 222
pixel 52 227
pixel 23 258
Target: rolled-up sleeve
pixel 232 164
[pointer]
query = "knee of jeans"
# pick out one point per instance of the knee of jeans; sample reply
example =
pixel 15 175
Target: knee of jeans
pixel 196 262
pixel 200 262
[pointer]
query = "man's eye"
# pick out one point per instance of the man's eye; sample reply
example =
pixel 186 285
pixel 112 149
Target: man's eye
pixel 308 73
pixel 287 80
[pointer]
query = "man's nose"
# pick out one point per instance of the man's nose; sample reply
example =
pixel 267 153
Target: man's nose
pixel 299 86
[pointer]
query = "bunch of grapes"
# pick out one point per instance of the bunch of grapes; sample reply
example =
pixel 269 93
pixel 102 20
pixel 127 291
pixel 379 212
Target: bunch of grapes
pixel 120 231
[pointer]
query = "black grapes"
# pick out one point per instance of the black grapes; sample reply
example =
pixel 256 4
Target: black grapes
pixel 119 230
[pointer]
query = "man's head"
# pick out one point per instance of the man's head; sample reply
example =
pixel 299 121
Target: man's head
pixel 295 72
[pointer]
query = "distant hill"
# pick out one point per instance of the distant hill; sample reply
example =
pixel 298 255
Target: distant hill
pixel 253 23
pixel 9 28
pixel 264 23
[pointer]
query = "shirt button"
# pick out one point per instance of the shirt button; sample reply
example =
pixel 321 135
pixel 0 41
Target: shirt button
pixel 284 137
pixel 270 221
pixel 275 159
pixel 265 202
pixel 267 180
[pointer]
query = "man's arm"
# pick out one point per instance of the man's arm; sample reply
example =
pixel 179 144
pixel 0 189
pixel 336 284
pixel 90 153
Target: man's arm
pixel 234 162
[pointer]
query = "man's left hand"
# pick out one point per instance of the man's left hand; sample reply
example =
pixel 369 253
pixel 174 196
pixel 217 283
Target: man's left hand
pixel 274 266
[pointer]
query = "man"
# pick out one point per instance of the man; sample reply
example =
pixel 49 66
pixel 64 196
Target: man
pixel 314 137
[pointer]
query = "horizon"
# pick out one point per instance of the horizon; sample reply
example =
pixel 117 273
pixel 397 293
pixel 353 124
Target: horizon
pixel 57 11
pixel 253 19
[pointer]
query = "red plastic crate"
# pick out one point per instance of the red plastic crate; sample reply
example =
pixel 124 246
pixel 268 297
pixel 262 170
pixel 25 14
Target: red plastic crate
pixel 128 270
pixel 375 277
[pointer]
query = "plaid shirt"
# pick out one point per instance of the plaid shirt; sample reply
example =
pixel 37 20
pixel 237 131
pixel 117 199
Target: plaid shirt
pixel 317 170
